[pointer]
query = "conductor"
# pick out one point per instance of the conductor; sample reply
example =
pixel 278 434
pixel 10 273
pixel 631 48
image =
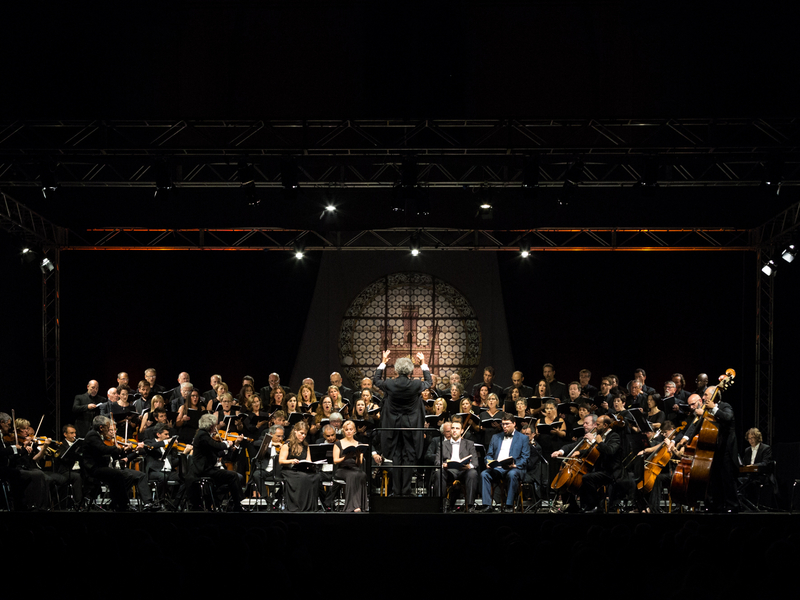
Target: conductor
pixel 402 407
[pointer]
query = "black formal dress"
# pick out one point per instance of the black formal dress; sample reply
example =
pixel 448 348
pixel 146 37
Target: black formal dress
pixel 403 407
pixel 301 488
pixel 355 492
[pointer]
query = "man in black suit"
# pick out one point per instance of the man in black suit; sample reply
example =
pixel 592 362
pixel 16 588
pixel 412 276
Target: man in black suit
pixel 724 468
pixel 159 466
pixel 274 381
pixel 525 391
pixel 457 449
pixel 607 468
pixel 96 463
pixel 557 388
pixel 402 407
pixel 85 408
pixel 205 452
pixel 488 380
pixel 758 455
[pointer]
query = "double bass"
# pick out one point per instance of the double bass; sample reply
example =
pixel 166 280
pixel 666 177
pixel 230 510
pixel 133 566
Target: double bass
pixel 693 473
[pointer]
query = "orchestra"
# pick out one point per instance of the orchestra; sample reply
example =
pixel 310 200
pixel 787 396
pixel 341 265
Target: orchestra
pixel 249 443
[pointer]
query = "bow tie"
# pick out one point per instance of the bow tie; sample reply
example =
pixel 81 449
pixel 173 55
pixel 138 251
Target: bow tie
pixel 508 435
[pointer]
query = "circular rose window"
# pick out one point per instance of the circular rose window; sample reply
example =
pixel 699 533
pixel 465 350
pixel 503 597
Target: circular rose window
pixel 409 313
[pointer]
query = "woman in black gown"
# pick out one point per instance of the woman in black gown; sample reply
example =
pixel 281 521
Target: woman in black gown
pixel 349 468
pixel 301 488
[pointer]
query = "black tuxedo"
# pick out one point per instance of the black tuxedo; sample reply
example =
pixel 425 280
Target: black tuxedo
pixel 468 476
pixel 402 407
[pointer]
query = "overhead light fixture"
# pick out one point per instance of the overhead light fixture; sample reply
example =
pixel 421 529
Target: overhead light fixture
pixel 46 266
pixel 789 254
pixel 299 251
pixel 485 202
pixel 524 248
pixel 330 208
pixel 770 268
pixel 414 245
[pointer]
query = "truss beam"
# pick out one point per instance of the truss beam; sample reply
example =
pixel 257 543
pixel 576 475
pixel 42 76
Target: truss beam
pixel 367 153
pixel 431 239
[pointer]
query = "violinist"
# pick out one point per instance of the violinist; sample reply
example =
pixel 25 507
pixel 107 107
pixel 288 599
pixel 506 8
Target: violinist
pixel 98 450
pixel 205 452
pixel 9 453
pixel 67 469
pixel 159 466
pixel 37 482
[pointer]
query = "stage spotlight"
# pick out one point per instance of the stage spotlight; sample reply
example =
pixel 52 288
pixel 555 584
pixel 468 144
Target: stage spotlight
pixel 299 251
pixel 789 254
pixel 486 202
pixel 46 266
pixel 770 268
pixel 330 208
pixel 414 245
pixel 27 255
pixel 524 248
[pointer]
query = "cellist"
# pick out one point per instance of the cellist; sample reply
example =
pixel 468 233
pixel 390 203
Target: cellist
pixel 607 468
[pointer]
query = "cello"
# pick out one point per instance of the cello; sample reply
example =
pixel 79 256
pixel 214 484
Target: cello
pixel 690 481
pixel 570 476
pixel 654 465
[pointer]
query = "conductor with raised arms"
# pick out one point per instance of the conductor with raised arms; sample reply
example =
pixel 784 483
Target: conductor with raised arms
pixel 402 407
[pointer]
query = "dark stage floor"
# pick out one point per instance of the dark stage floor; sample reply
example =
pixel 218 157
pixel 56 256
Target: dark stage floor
pixel 716 552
